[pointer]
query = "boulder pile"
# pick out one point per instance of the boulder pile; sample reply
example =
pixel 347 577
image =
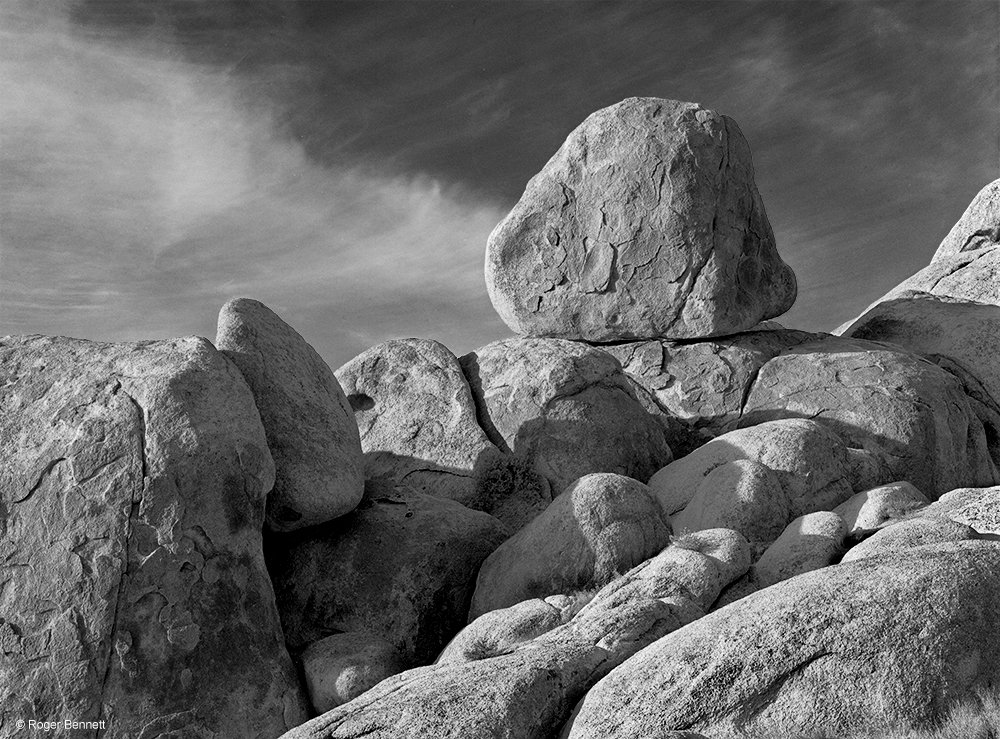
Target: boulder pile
pixel 652 512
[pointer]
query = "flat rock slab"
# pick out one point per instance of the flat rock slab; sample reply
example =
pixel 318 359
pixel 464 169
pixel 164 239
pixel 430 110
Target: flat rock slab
pixel 133 492
pixel 566 408
pixel 319 472
pixel 645 224
pixel 401 566
pixel 830 651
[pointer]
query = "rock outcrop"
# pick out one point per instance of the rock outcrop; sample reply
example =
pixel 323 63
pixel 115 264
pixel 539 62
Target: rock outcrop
pixel 401 566
pixel 915 416
pixel 967 263
pixel 645 224
pixel 566 408
pixel 131 503
pixel 417 419
pixel 829 651
pixel 601 526
pixel 528 692
pixel 319 474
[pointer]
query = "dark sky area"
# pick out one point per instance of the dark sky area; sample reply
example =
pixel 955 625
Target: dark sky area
pixel 345 162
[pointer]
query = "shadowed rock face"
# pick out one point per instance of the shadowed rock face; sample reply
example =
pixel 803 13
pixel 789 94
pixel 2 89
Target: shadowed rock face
pixel 566 408
pixel 401 566
pixel 132 499
pixel 645 224
pixel 832 650
pixel 319 472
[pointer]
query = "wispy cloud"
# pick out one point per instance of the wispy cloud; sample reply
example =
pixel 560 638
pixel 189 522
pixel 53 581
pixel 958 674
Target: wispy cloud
pixel 140 191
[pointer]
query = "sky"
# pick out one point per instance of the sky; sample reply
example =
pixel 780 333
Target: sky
pixel 345 162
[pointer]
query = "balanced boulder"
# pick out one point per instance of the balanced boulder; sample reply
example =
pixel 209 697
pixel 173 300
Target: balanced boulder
pixel 603 525
pixel 566 408
pixel 319 473
pixel 132 497
pixel 401 566
pixel 862 649
pixel 646 223
pixel 417 418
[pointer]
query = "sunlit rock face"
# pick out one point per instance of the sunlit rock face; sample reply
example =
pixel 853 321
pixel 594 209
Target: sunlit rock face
pixel 645 224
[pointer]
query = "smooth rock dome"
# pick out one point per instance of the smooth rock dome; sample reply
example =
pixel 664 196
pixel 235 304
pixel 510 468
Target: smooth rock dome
pixel 645 224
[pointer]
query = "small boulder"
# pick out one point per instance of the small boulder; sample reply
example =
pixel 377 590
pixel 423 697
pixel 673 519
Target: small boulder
pixel 340 667
pixel 872 509
pixel 911 533
pixel 417 419
pixel 832 650
pixel 566 408
pixel 646 223
pixel 319 473
pixel 975 507
pixel 603 525
pixel 742 495
pixel 809 460
pixel 401 566
pixel 809 543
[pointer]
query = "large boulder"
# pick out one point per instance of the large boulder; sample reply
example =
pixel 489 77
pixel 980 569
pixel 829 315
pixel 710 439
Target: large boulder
pixel 319 473
pixel 828 651
pixel 646 223
pixel 131 504
pixel 528 692
pixel 808 543
pixel 915 416
pixel 703 384
pixel 417 419
pixel 566 408
pixel 603 525
pixel 401 566
pixel 809 461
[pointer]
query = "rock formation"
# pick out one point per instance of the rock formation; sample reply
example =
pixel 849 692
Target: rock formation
pixel 134 588
pixel 653 513
pixel 645 224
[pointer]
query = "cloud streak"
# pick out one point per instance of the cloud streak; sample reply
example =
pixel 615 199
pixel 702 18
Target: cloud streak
pixel 143 192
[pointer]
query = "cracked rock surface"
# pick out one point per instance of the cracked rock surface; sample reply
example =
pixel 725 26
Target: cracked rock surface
pixel 133 582
pixel 319 472
pixel 830 650
pixel 645 224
